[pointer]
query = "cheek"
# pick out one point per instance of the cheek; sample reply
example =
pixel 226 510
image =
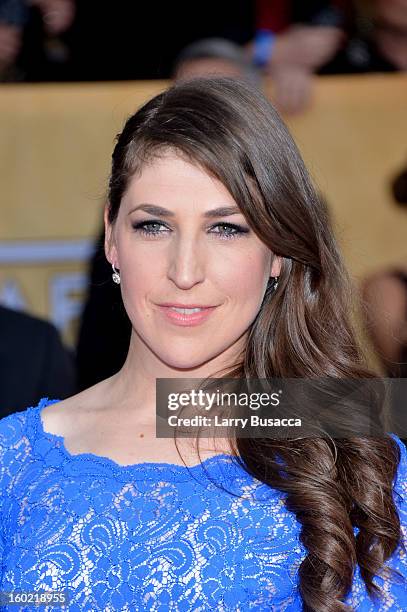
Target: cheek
pixel 249 277
pixel 139 275
pixel 137 285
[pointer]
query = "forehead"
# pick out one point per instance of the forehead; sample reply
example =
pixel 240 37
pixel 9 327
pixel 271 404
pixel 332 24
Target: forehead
pixel 173 181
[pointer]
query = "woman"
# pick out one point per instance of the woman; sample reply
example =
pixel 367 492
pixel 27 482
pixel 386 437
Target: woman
pixel 209 206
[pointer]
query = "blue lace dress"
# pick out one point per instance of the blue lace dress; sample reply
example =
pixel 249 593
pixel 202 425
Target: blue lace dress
pixel 152 536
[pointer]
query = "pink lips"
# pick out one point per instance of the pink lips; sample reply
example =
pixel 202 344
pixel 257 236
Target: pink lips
pixel 179 318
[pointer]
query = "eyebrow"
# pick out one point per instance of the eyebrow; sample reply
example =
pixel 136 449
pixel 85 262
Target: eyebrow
pixel 159 211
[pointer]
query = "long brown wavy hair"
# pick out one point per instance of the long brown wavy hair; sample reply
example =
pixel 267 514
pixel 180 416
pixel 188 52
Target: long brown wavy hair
pixel 303 328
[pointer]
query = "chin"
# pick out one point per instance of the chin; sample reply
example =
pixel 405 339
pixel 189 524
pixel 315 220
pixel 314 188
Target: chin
pixel 185 358
pixel 184 362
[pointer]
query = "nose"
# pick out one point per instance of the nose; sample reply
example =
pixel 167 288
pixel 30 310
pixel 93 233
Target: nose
pixel 186 263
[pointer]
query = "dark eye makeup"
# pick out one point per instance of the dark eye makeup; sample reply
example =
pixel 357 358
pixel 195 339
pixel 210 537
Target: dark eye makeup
pixel 149 228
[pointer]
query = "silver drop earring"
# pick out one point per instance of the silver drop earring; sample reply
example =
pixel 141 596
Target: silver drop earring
pixel 115 275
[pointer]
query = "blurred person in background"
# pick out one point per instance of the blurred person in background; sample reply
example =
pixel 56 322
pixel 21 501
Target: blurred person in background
pixel 46 50
pixel 34 40
pixel 33 362
pixel 13 17
pixel 385 299
pixel 212 56
pixel 78 40
pixel 390 32
pixel 385 316
pixel 376 41
pixel 295 40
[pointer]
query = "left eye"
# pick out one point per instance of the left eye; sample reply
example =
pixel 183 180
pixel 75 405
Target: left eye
pixel 232 230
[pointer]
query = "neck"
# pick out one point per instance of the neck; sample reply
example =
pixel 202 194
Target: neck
pixel 133 388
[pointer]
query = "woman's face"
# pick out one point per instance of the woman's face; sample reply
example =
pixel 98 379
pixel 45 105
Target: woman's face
pixel 172 246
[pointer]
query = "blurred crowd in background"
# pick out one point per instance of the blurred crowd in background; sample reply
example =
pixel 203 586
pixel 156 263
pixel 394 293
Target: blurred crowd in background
pixel 290 41
pixel 85 40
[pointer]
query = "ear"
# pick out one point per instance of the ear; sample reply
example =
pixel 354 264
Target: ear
pixel 110 244
pixel 275 267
